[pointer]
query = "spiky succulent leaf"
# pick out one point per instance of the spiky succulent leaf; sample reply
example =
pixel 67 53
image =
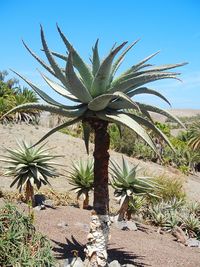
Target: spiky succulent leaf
pixel 29 164
pixel 78 63
pixel 79 89
pixel 47 67
pixel 145 90
pixel 42 94
pixel 126 85
pixel 126 182
pixel 144 108
pixel 126 120
pixel 102 77
pixel 58 55
pixel 57 128
pixel 81 177
pixel 50 108
pixel 120 59
pixel 101 102
pixel 58 72
pixel 95 59
pixel 160 111
pixel 139 65
pixel 152 127
pixel 60 89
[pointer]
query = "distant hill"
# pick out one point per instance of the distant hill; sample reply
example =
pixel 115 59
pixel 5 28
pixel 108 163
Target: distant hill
pixel 178 113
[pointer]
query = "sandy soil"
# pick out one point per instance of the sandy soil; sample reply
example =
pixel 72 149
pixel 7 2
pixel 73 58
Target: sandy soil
pixel 70 149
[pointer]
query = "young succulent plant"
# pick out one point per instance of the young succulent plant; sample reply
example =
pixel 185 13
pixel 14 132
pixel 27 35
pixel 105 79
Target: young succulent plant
pixel 127 184
pixel 30 166
pixel 81 176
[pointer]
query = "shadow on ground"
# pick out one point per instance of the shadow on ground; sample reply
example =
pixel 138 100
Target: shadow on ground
pixel 69 249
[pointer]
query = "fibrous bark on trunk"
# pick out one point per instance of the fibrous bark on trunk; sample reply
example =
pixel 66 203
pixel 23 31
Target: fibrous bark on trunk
pixel 86 201
pixel 29 194
pixel 96 249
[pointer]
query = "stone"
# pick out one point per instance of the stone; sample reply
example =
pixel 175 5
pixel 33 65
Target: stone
pixel 193 242
pixel 40 207
pixel 131 225
pixel 49 203
pixel 126 225
pixel 114 263
pixel 113 219
pixel 75 262
pixel 122 225
pixel 179 234
pixel 62 225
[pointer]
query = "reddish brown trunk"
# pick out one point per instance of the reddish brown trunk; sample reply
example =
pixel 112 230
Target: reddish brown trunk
pixel 29 194
pixel 101 161
pixel 96 249
pixel 86 202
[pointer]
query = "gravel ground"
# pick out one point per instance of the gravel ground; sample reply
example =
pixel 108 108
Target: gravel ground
pixel 144 247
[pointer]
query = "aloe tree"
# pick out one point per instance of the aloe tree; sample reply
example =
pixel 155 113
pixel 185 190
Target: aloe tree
pixel 100 98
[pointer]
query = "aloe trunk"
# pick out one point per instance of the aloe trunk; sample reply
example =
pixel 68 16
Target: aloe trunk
pixel 29 194
pixel 123 210
pixel 99 227
pixel 86 201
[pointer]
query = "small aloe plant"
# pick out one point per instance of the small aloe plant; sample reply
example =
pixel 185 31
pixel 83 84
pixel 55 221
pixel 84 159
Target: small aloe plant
pixel 127 185
pixel 30 166
pixel 82 178
pixel 191 224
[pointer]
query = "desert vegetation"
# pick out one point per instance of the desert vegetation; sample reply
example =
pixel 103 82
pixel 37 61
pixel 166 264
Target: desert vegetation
pixel 107 115
pixel 12 95
pixel 20 244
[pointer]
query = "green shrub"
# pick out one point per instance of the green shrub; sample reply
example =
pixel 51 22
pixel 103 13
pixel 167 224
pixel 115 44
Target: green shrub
pixel 20 245
pixel 165 214
pixel 124 143
pixel 169 189
pixel 11 95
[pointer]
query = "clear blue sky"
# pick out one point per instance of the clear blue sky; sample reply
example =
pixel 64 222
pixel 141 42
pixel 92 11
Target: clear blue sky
pixel 172 26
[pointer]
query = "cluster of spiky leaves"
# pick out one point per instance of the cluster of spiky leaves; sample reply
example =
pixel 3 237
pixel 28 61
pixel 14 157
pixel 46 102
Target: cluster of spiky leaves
pixel 81 176
pixel 127 184
pixel 168 214
pixel 96 91
pixel 29 164
pixel 194 139
pixel 20 244
pixel 12 95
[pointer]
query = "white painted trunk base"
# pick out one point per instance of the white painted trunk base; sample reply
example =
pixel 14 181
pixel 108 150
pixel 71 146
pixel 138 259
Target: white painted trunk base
pixel 96 248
